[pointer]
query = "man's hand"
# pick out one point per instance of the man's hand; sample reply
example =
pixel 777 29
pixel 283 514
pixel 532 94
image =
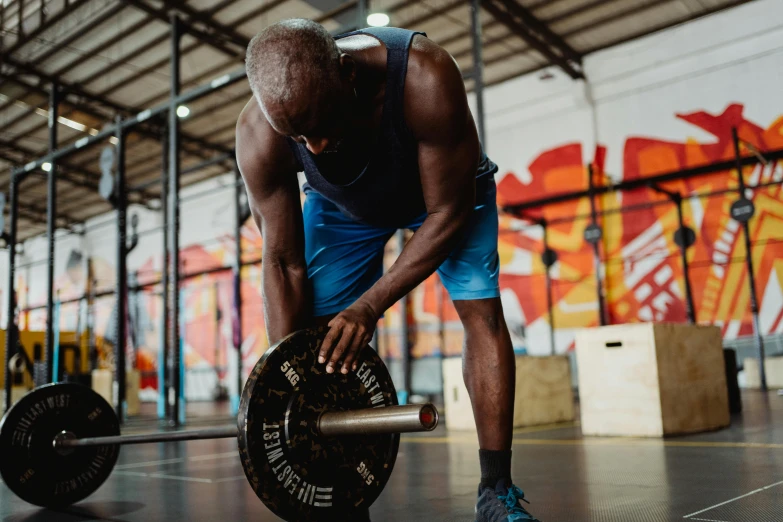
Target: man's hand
pixel 349 332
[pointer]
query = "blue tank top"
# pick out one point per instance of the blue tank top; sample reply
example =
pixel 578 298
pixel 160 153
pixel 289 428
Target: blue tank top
pixel 386 188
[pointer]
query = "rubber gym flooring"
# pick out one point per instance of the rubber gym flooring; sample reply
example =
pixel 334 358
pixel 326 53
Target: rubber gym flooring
pixel 732 475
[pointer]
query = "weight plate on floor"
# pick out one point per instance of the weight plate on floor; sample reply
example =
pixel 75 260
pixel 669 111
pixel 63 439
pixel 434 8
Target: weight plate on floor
pixel 296 472
pixel 29 464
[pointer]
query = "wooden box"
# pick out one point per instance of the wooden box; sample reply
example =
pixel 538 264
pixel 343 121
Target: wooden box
pixel 103 384
pixel 651 379
pixel 132 386
pixel 773 366
pixel 543 393
pixel 456 402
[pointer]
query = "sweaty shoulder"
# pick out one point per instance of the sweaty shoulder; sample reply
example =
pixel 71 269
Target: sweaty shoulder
pixel 259 149
pixel 434 90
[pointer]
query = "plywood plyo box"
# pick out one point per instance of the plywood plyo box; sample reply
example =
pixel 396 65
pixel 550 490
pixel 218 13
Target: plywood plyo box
pixel 543 393
pixel 133 383
pixel 651 379
pixel 773 367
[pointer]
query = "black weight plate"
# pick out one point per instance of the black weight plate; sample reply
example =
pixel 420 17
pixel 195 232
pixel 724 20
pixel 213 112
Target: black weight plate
pixel 29 464
pixel 687 234
pixel 296 472
pixel 593 233
pixel 742 210
pixel 549 257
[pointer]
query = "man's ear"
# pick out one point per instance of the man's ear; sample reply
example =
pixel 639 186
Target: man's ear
pixel 347 68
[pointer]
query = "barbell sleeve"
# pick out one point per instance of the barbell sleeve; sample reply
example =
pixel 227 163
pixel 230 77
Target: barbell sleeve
pixel 373 421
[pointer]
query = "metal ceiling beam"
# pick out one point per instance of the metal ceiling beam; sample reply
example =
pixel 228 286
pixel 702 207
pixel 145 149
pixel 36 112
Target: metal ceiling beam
pixel 337 11
pixel 542 31
pixel 508 13
pixel 185 50
pixel 196 145
pixel 25 39
pixel 618 15
pixel 163 15
pixel 548 21
pixel 194 15
pixel 586 27
pixel 102 72
pixel 577 11
pixel 84 31
pixel 68 88
pixel 116 38
pixel 434 13
pixel 466 34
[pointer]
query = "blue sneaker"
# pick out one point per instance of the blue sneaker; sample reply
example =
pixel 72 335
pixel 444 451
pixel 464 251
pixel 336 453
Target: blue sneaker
pixel 502 504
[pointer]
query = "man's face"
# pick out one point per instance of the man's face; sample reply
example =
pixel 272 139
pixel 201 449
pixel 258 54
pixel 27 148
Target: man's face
pixel 319 122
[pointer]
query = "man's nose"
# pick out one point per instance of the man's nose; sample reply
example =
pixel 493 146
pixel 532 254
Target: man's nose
pixel 317 145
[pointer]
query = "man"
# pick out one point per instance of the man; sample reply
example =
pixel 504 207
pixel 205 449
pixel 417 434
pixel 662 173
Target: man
pixel 379 122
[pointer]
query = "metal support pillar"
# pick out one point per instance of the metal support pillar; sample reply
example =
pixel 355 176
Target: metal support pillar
pixel 173 211
pixel 549 299
pixel 121 199
pixel 754 306
pixel 239 188
pixel 690 310
pixel 51 227
pixel 165 385
pixel 11 323
pixel 478 68
pixel 362 9
pixel 405 352
pixel 599 287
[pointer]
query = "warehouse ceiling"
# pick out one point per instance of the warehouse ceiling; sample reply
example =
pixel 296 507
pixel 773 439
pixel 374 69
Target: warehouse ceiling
pixel 110 58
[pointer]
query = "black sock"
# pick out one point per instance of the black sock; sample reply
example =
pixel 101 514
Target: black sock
pixel 495 465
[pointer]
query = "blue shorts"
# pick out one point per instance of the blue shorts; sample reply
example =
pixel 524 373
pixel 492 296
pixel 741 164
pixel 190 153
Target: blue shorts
pixel 345 258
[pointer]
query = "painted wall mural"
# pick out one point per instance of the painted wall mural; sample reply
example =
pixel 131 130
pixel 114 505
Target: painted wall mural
pixel 643 272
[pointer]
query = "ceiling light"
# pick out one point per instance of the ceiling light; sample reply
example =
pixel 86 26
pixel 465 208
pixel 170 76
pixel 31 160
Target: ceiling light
pixel 46 167
pixel 378 19
pixel 183 111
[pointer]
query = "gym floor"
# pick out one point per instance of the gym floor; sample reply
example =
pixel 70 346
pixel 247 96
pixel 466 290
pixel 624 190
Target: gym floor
pixel 732 475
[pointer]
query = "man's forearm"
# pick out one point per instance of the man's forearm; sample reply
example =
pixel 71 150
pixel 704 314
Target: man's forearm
pixel 286 299
pixel 425 252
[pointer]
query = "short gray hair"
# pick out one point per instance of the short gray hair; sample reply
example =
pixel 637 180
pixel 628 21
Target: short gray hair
pixel 289 56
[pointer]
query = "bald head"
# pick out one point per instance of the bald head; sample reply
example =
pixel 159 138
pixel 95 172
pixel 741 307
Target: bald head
pixel 293 68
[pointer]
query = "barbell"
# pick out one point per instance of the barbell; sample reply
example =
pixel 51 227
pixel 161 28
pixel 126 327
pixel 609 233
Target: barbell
pixel 314 446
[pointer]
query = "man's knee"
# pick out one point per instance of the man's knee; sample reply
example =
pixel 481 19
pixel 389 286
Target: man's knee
pixel 481 316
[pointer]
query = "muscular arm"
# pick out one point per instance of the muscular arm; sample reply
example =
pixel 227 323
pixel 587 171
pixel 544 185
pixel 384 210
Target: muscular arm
pixel 437 113
pixel 269 170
